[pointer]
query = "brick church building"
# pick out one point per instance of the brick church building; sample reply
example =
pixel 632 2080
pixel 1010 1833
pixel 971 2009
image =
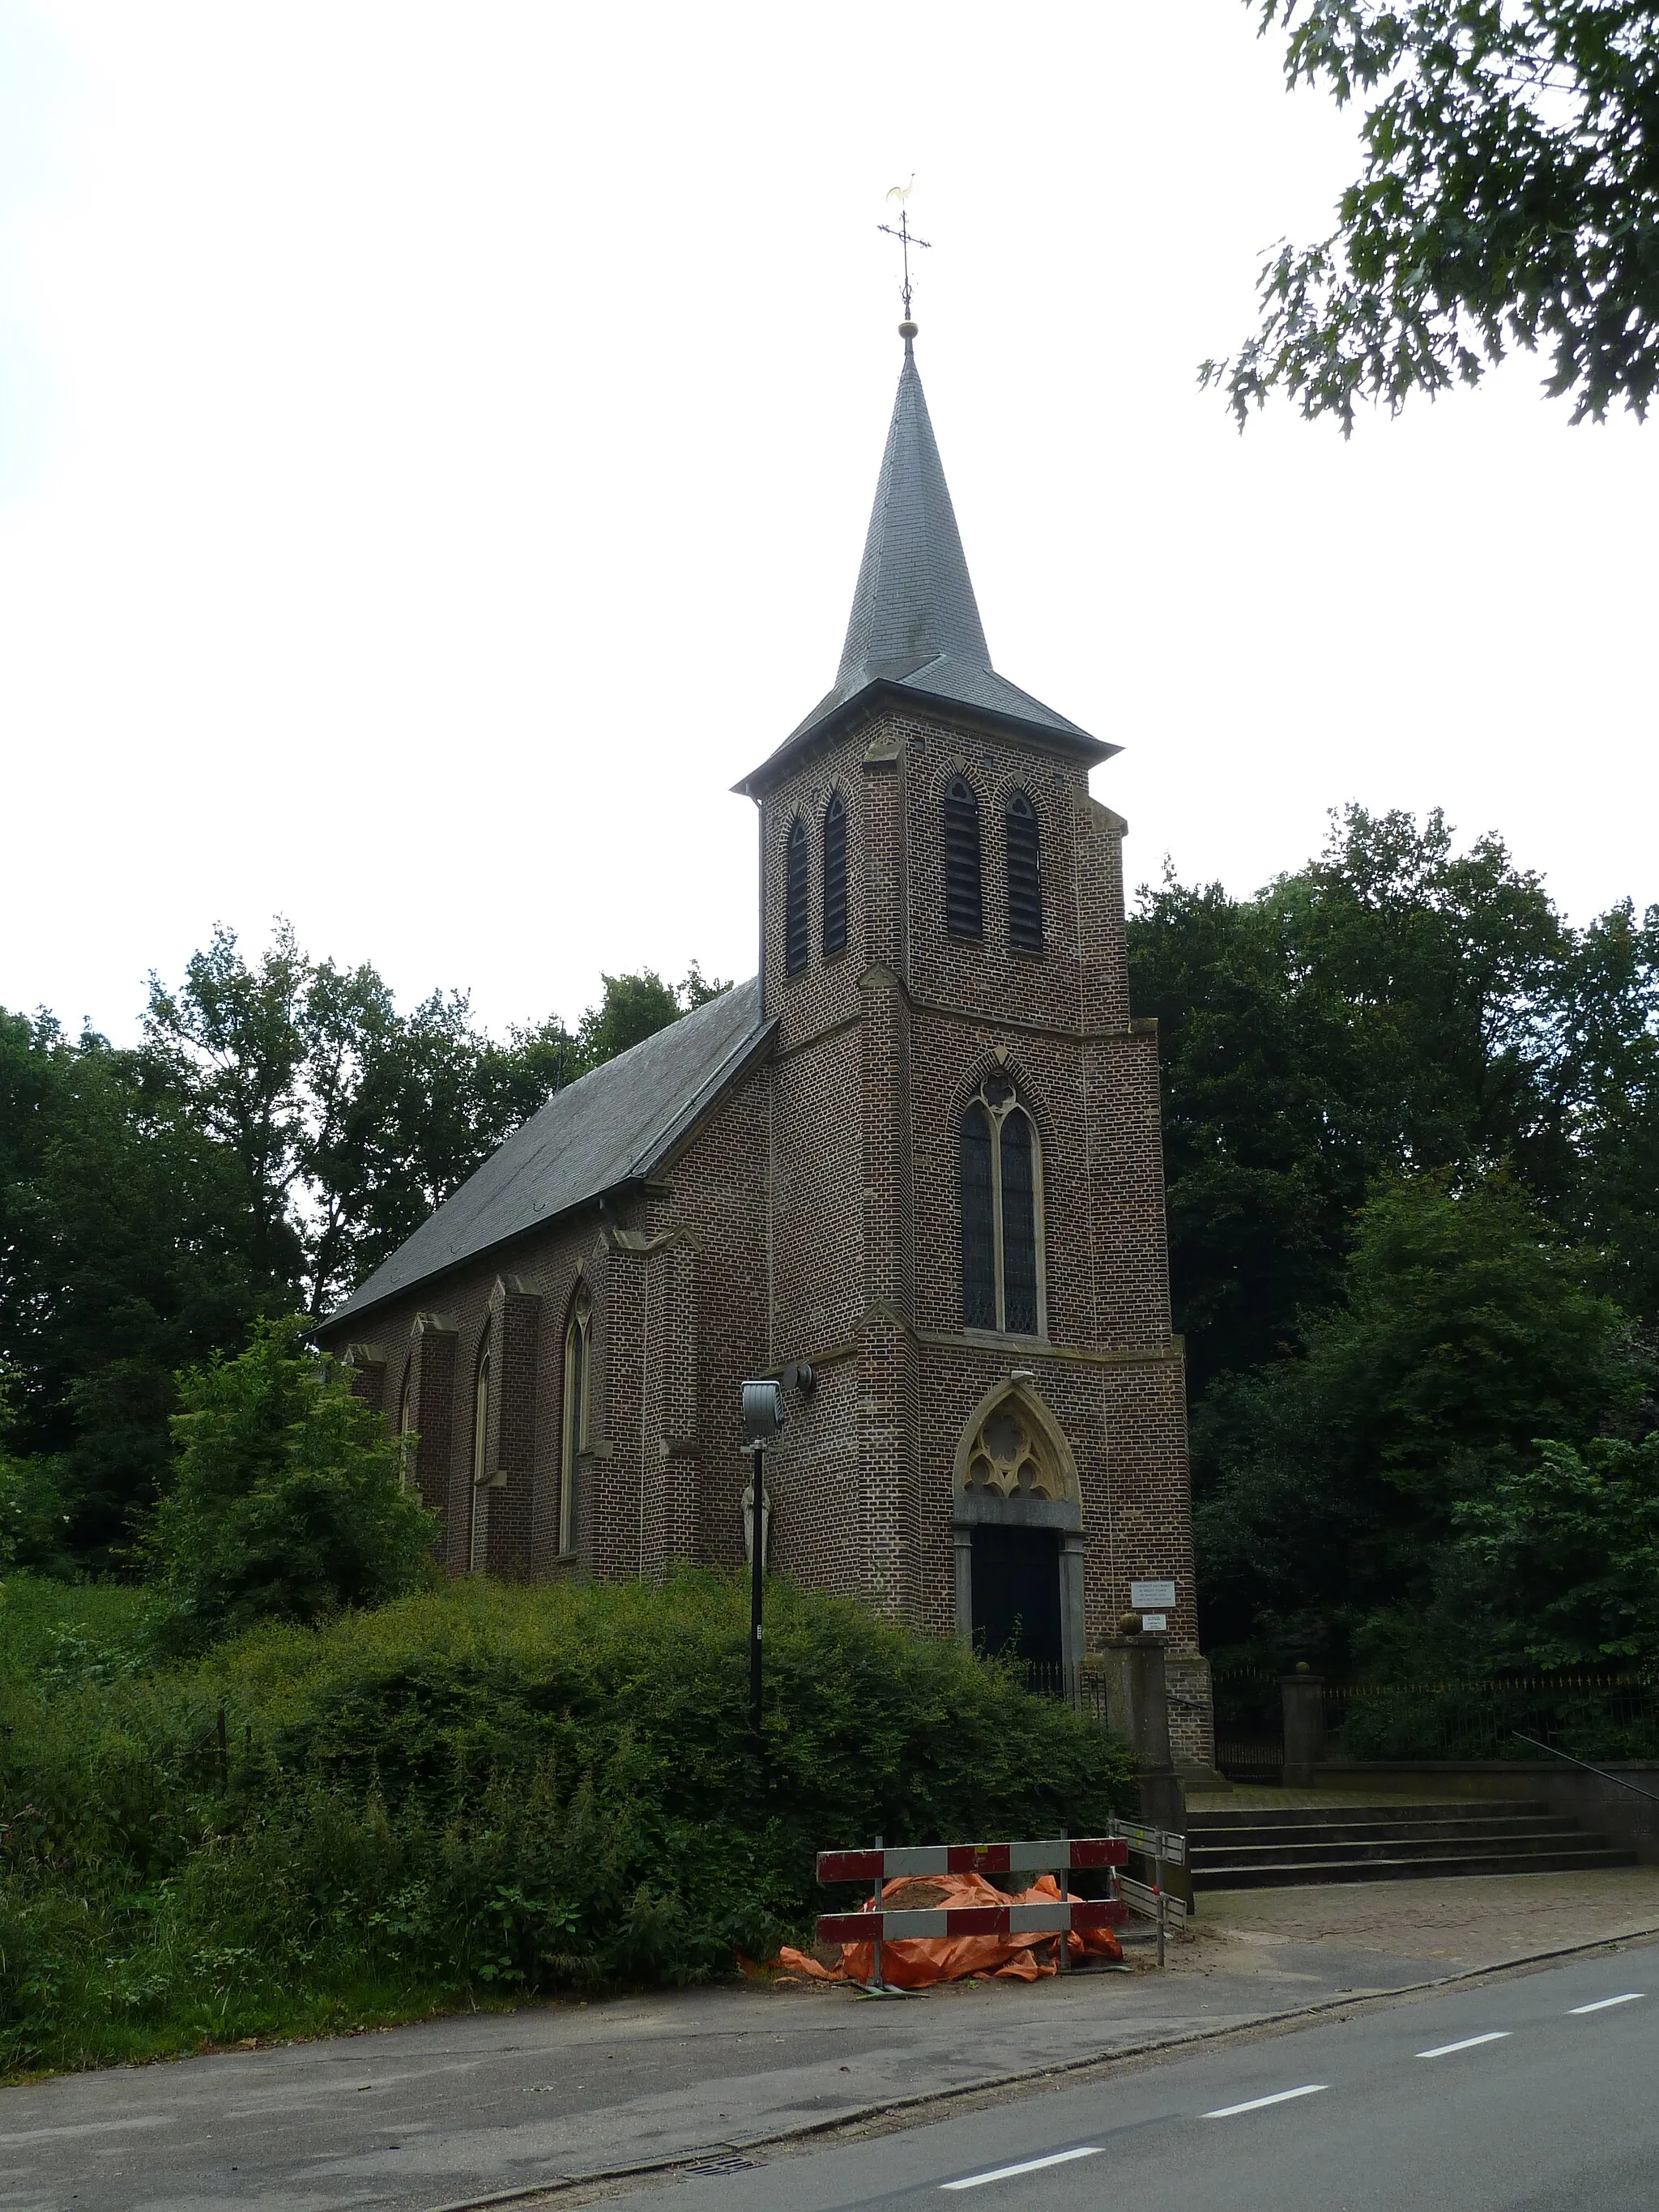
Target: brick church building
pixel 919 1154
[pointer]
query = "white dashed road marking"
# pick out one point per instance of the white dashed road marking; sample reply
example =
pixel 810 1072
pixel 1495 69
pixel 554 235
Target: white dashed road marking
pixel 1256 2104
pixel 1029 2166
pixel 1469 2043
pixel 1601 2003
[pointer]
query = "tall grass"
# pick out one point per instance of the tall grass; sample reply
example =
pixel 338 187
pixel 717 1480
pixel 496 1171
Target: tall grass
pixel 480 1792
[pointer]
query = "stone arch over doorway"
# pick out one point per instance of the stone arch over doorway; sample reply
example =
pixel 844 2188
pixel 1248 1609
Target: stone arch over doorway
pixel 1017 1527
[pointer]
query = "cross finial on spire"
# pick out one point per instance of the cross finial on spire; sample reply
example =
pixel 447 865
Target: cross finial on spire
pixel 907 237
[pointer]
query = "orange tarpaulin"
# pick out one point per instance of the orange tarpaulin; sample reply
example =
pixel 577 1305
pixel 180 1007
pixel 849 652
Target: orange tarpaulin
pixel 912 1963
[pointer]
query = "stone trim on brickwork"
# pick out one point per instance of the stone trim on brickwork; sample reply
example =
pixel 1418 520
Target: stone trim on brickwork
pixel 1171 1350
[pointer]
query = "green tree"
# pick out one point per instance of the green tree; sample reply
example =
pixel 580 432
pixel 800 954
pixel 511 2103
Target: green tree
pixel 283 1126
pixel 349 1120
pixel 127 1250
pixel 1467 1326
pixel 1606 1039
pixel 635 1007
pixel 1509 197
pixel 33 1520
pixel 1566 1552
pixel 288 1501
pixel 1386 1010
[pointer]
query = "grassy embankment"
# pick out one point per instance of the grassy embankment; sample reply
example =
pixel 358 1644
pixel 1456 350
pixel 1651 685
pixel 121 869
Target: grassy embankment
pixel 476 1794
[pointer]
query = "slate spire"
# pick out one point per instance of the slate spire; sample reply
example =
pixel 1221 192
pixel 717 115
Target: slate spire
pixel 914 627
pixel 915 600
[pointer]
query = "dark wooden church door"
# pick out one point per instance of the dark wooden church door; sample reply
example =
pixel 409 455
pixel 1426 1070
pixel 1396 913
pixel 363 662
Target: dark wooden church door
pixel 1017 1592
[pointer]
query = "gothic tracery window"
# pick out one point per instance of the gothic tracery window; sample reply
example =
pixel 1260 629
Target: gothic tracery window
pixel 1001 1184
pixel 797 921
pixel 1024 875
pixel 573 1434
pixel 964 912
pixel 1009 1458
pixel 834 875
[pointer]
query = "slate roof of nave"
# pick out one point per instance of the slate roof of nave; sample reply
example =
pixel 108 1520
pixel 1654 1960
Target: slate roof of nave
pixel 611 1127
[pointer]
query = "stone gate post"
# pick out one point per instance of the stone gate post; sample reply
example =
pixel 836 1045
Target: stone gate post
pixel 1303 1694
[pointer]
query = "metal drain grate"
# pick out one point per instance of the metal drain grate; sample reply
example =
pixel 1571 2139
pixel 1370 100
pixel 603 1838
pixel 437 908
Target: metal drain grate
pixel 726 2161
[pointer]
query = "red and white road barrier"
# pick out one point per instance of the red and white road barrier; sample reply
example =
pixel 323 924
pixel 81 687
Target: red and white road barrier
pixel 1069 1853
pixel 1060 1855
pixel 1051 1919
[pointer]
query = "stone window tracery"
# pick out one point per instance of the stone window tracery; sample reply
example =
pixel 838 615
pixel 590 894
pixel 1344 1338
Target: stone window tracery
pixel 1011 1457
pixel 1001 1193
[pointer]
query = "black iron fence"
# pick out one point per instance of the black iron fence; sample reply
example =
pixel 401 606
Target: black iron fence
pixel 1249 1725
pixel 1589 1715
pixel 1079 1687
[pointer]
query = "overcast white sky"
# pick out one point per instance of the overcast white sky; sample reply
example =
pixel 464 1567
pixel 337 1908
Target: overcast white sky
pixel 436 441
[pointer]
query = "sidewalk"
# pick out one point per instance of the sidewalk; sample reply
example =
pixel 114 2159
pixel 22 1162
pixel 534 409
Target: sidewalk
pixel 454 2110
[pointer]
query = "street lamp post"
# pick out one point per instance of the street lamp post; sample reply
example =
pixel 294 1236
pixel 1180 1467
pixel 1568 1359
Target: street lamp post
pixel 763 1418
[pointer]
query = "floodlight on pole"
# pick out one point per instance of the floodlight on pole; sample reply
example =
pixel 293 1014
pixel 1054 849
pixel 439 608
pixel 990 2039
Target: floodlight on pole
pixel 762 1419
pixel 763 1413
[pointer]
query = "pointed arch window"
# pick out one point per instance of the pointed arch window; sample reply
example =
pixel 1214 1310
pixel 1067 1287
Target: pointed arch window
pixel 965 911
pixel 573 1413
pixel 477 1539
pixel 407 1439
pixel 834 876
pixel 1024 875
pixel 797 921
pixel 1001 1165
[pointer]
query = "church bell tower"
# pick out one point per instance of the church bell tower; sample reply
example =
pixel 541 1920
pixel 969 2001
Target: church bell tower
pixel 964 1184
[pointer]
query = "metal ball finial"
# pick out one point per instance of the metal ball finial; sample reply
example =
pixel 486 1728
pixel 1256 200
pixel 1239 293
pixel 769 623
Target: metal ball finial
pixel 907 329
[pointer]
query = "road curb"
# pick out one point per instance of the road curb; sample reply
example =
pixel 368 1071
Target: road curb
pixel 560 2184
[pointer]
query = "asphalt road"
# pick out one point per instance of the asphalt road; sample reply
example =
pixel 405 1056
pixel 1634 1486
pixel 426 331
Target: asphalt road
pixel 1537 2093
pixel 413 2117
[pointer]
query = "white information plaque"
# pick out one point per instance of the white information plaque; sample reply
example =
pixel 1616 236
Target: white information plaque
pixel 1159 1596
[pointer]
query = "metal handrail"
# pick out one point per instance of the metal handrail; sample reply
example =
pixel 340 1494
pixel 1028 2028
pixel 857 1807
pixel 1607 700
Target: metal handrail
pixel 1635 1790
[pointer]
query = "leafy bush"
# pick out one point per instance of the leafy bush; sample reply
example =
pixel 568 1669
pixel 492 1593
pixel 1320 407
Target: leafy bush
pixel 478 1790
pixel 289 1499
pixel 53 1632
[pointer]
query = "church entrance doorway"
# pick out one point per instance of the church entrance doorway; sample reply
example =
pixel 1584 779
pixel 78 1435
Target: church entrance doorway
pixel 1016 1611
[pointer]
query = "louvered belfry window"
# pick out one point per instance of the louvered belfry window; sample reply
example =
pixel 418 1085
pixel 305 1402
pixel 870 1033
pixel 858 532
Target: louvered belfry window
pixel 797 919
pixel 964 913
pixel 834 875
pixel 1001 1214
pixel 1024 876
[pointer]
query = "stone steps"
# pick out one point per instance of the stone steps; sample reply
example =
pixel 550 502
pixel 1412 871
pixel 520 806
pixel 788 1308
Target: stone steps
pixel 1253 1849
pixel 1219 1819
